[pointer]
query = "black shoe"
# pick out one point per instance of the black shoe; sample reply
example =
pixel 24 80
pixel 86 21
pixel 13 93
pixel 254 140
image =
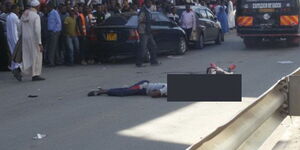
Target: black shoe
pixel 17 74
pixel 37 78
pixel 156 63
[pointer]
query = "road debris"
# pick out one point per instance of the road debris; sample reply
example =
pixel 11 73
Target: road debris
pixel 285 62
pixel 39 136
pixel 32 96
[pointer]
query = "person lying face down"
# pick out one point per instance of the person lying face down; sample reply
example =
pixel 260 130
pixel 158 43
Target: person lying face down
pixel 141 88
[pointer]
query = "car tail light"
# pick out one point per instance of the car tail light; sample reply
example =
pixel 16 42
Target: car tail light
pixel 289 20
pixel 245 21
pixel 134 35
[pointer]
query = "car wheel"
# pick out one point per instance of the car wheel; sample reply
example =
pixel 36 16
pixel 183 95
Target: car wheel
pixel 219 38
pixel 182 46
pixel 200 42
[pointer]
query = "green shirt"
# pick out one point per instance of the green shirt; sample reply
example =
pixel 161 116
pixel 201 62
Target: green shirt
pixel 70 26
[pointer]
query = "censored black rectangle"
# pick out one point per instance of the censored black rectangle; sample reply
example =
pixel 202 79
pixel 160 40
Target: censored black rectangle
pixel 204 87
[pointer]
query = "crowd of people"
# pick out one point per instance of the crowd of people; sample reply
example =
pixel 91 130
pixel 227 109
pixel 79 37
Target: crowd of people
pixel 60 30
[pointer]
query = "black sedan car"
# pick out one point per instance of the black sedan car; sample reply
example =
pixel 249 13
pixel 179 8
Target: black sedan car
pixel 208 28
pixel 118 36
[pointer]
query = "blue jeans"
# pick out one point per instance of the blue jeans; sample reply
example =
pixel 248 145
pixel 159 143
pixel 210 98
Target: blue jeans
pixel 128 91
pixel 73 48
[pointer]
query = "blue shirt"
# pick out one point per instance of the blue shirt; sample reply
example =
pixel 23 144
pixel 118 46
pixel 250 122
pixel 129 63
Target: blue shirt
pixel 54 22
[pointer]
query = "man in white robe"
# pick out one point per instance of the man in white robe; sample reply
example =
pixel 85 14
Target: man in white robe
pixel 231 22
pixel 12 32
pixel 31 42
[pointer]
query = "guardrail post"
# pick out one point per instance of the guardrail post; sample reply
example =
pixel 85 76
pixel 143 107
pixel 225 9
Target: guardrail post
pixel 294 95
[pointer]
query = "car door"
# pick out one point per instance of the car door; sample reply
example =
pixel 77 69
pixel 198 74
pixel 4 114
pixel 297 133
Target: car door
pixel 214 25
pixel 204 23
pixel 162 31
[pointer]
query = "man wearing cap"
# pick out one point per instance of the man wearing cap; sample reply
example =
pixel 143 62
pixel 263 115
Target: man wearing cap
pixel 32 48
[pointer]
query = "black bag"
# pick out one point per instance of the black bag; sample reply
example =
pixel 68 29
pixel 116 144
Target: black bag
pixel 17 54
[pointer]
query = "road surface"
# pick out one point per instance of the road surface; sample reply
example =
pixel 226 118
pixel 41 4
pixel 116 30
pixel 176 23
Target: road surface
pixel 73 121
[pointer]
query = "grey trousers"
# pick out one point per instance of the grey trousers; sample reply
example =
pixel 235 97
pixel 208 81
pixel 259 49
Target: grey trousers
pixel 147 43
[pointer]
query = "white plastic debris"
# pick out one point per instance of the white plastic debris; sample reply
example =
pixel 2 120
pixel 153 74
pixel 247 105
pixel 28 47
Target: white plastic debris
pixel 285 62
pixel 39 136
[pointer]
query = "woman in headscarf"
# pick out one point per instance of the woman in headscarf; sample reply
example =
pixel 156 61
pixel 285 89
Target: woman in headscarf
pixel 222 16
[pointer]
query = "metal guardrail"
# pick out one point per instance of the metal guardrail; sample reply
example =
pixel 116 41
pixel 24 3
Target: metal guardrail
pixel 251 127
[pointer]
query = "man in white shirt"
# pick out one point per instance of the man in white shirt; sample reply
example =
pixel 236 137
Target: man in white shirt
pixel 188 21
pixel 141 88
pixel 12 31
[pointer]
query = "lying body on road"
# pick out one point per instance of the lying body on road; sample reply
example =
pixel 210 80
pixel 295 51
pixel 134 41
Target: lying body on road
pixel 141 88
pixel 214 69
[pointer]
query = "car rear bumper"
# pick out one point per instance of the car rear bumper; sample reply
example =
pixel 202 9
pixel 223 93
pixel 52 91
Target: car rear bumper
pixel 128 48
pixel 269 35
pixel 269 32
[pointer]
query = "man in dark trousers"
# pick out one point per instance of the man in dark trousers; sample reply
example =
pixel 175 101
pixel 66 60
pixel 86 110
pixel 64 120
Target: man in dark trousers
pixel 147 40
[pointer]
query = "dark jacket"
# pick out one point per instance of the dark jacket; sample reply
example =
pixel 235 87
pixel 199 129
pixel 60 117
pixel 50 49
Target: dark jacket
pixel 144 21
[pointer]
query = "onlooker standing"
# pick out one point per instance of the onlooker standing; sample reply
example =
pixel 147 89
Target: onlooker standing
pixel 90 23
pixel 106 12
pixel 231 22
pixel 43 13
pixel 62 39
pixel 54 28
pixel 222 17
pixel 99 14
pixel 188 21
pixel 71 36
pixel 12 32
pixel 82 32
pixel 144 29
pixel 173 16
pixel 31 42
pixel 126 7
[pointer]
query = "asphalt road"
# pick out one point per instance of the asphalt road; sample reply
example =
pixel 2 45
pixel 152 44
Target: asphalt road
pixel 73 121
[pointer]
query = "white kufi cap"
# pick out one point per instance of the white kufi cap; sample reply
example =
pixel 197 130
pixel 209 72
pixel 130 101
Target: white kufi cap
pixel 34 3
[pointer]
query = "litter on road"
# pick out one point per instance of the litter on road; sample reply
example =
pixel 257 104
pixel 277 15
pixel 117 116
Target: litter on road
pixel 32 96
pixel 285 62
pixel 39 136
